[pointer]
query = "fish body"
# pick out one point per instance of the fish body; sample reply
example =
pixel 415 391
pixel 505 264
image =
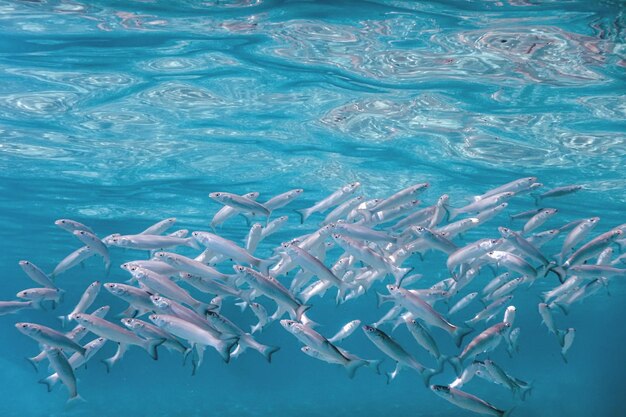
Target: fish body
pixel 468 401
pixel 332 200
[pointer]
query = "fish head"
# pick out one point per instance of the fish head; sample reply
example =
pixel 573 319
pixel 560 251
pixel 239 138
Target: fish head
pixel 160 302
pixel 114 288
pixel 128 322
pixel 256 226
pixel 217 196
pixel 505 231
pixel 443 200
pixel 28 329
pixel 442 390
pixel 23 294
pixel 156 319
pixel 393 289
pixel 239 269
pixel 82 318
pixel 64 224
pixel 289 325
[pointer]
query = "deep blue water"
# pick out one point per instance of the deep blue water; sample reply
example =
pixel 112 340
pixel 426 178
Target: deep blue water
pixel 119 114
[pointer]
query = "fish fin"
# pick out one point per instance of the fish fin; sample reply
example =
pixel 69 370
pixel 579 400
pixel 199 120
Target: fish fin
pixel 564 357
pixel 392 375
pixel 557 270
pixel 268 351
pixel 204 308
pixel 367 215
pixel 48 381
pixel 560 334
pixel 304 214
pixel 225 348
pixel 456 364
pixel 75 400
pixel 400 273
pixel 242 305
pixel 428 373
pixel 536 197
pixel 459 333
pixel 301 310
pixel 266 264
pixel 64 320
pixel 309 322
pixel 256 327
pixel 376 363
pixel 199 349
pixel 508 412
pixel 192 243
pixel 353 365
pixel 382 299
pixel 452 214
pixel 151 347
pixel 564 309
pixel 33 362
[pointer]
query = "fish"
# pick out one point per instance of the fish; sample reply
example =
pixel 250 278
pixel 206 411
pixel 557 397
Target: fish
pixel 36 274
pixel 375 363
pixel 403 359
pixel 490 310
pixel 557 192
pixel 345 331
pixel 274 290
pixel 462 303
pixel 245 340
pixel 568 340
pixel 515 186
pixel 64 370
pixel 281 200
pixel 152 242
pixel 342 210
pixel 403 196
pixel 482 205
pixel 367 255
pixel 441 211
pixel 70 261
pixel 118 334
pixel 338 197
pixel 42 294
pixel 195 335
pixel 272 227
pixel 310 337
pixel 230 249
pixel 227 212
pixel 424 339
pixel 86 300
pixel 184 264
pixel 159 227
pixel 97 245
pixel 577 234
pixel 163 285
pixel 592 248
pixel 241 203
pixel 137 298
pixel 539 219
pixel 12 307
pixel 253 238
pixel 422 310
pixel 75 361
pixel 468 401
pixel 150 331
pixel 487 341
pixel 72 225
pixel 47 336
pixel 548 320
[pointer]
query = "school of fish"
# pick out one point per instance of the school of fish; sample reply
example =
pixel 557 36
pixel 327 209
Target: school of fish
pixel 359 245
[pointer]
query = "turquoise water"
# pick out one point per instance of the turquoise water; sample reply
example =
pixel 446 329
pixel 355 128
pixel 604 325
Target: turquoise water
pixel 120 114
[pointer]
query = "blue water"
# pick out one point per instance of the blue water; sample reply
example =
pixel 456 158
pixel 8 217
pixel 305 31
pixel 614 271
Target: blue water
pixel 119 114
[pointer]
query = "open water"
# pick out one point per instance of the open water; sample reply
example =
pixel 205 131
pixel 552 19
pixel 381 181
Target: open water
pixel 121 113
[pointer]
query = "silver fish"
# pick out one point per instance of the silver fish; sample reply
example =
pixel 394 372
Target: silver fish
pixel 557 192
pixel 468 401
pixel 36 274
pixel 86 300
pixel 96 244
pixel 334 199
pixel 159 227
pixel 73 259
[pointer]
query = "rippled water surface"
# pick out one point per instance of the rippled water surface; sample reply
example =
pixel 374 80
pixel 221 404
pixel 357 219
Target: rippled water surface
pixel 121 113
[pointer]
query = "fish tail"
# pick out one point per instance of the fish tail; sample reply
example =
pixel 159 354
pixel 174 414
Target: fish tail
pixel 225 347
pixel 459 333
pixel 256 327
pixel 49 382
pixel 367 215
pixel 307 321
pixel 268 351
pixel 204 308
pixel 382 299
pixel 353 365
pixel 563 356
pixel 536 197
pixel 151 347
pixel 301 310
pixel 559 271
pixel 560 334
pixel 456 364
pixel 107 266
pixel 109 362
pixel 508 412
pixel 564 309
pixel 452 213
pixel 304 214
pixel 242 305
pixel 427 374
pixel 376 364
pixel 74 400
pixel 33 361
pixel 186 353
pixel 265 264
pixel 400 273
pixel 192 243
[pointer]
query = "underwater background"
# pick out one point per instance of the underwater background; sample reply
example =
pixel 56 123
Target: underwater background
pixel 122 113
